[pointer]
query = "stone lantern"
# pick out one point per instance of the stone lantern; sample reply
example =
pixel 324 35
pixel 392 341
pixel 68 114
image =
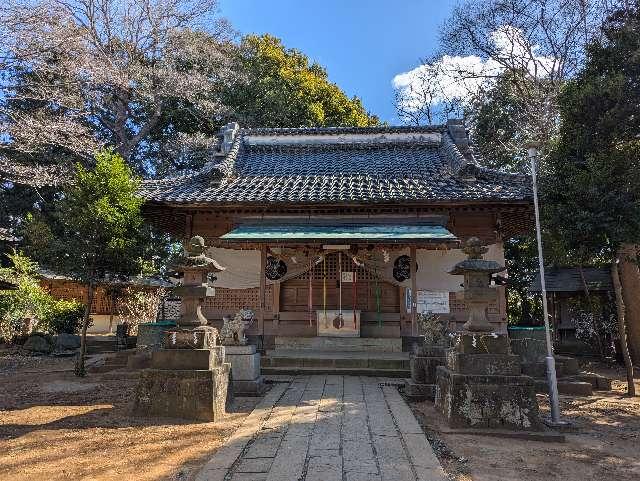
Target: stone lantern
pixel 478 292
pixel 197 268
pixel 481 384
pixel 189 377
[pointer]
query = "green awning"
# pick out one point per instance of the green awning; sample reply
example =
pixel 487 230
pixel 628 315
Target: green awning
pixel 370 233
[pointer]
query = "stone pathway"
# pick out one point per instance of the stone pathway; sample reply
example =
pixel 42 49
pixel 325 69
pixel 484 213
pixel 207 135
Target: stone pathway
pixel 327 428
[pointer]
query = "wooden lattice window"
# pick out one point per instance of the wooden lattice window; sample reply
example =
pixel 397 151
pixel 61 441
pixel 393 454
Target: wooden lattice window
pixel 331 266
pixel 236 299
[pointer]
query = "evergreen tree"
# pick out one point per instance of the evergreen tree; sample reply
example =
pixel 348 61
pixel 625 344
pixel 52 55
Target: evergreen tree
pixel 96 234
pixel 281 88
pixel 592 194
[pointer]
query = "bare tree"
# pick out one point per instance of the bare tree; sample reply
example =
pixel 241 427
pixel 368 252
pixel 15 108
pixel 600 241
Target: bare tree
pixel 138 306
pixel 422 95
pixel 537 44
pixel 78 74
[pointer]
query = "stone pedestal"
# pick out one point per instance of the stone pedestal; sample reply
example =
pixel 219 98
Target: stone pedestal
pixel 481 385
pixel 245 370
pixel 424 362
pixel 188 379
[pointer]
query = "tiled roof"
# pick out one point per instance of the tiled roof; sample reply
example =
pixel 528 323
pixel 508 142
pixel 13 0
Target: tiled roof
pixel 341 165
pixel 569 279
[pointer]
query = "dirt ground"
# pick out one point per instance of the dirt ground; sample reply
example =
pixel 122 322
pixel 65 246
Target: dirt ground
pixel 604 445
pixel 55 426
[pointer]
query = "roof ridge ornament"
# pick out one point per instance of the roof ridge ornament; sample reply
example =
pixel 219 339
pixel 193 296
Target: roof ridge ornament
pixel 228 133
pixel 468 168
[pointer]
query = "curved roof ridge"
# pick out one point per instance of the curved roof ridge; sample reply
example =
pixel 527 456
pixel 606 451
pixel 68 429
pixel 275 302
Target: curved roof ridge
pixel 418 142
pixel 342 130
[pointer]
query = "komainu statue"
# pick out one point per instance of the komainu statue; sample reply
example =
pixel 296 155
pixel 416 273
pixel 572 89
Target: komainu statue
pixel 232 332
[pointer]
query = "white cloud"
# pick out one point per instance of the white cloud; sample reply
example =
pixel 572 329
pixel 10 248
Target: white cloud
pixel 459 78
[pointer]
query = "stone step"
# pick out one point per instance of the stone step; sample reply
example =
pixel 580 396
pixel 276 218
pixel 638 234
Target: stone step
pixel 565 366
pixel 344 371
pixel 572 388
pixel 598 382
pixel 118 374
pixel 335 359
pixel 351 344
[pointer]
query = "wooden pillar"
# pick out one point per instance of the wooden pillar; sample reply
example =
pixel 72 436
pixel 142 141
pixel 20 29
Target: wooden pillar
pixel 263 262
pixel 414 291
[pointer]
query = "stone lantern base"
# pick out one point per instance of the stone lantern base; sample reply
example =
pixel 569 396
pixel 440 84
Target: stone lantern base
pixel 424 362
pixel 188 378
pixel 481 386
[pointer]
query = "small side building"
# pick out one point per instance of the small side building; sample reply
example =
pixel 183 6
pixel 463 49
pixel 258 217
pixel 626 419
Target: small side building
pixel 567 289
pixel 104 308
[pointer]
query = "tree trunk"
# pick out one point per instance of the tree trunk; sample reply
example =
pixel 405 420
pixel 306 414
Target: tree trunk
pixel 594 322
pixel 630 280
pixel 79 369
pixel 622 330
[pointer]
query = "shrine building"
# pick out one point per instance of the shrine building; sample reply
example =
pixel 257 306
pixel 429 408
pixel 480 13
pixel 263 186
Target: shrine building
pixel 317 227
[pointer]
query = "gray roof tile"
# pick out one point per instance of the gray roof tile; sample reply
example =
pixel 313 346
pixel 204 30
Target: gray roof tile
pixel 371 171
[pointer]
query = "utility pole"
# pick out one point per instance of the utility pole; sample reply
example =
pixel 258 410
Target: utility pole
pixel 554 402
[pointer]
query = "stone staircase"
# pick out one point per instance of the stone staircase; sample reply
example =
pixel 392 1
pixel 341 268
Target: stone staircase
pixel 110 361
pixel 100 344
pixel 571 380
pixel 337 355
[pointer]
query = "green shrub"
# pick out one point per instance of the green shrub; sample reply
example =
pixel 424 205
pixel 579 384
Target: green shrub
pixel 65 316
pixel 31 300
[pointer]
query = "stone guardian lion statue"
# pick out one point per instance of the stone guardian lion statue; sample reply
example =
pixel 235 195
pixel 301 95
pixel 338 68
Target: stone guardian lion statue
pixel 232 332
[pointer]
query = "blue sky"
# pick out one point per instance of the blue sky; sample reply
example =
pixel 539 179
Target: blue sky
pixel 363 44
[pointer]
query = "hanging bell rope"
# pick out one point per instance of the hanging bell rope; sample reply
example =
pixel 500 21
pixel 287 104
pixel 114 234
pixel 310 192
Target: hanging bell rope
pixel 338 322
pixel 310 291
pixel 355 294
pixel 340 283
pixel 324 290
pixel 378 311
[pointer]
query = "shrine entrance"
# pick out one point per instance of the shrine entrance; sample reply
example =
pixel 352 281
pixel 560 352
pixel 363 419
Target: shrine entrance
pixel 338 286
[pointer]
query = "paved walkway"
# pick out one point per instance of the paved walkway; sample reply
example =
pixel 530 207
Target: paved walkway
pixel 327 428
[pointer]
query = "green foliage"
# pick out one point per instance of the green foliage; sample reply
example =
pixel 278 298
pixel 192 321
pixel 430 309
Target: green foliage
pixel 592 186
pixel 498 118
pixel 66 316
pixel 31 300
pixel 281 88
pixel 97 229
pixel 524 307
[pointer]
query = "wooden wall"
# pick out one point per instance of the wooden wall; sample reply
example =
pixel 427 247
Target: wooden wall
pixel 286 310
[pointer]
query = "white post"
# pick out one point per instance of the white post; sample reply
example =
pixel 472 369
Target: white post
pixel 550 360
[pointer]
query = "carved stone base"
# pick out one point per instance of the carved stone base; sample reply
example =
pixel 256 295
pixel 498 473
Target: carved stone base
pixel 187 359
pixel 423 363
pixel 189 394
pixel 497 402
pixel 203 337
pixel 481 386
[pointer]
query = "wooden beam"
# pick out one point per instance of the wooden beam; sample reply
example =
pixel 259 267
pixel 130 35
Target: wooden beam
pixel 263 262
pixel 414 291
